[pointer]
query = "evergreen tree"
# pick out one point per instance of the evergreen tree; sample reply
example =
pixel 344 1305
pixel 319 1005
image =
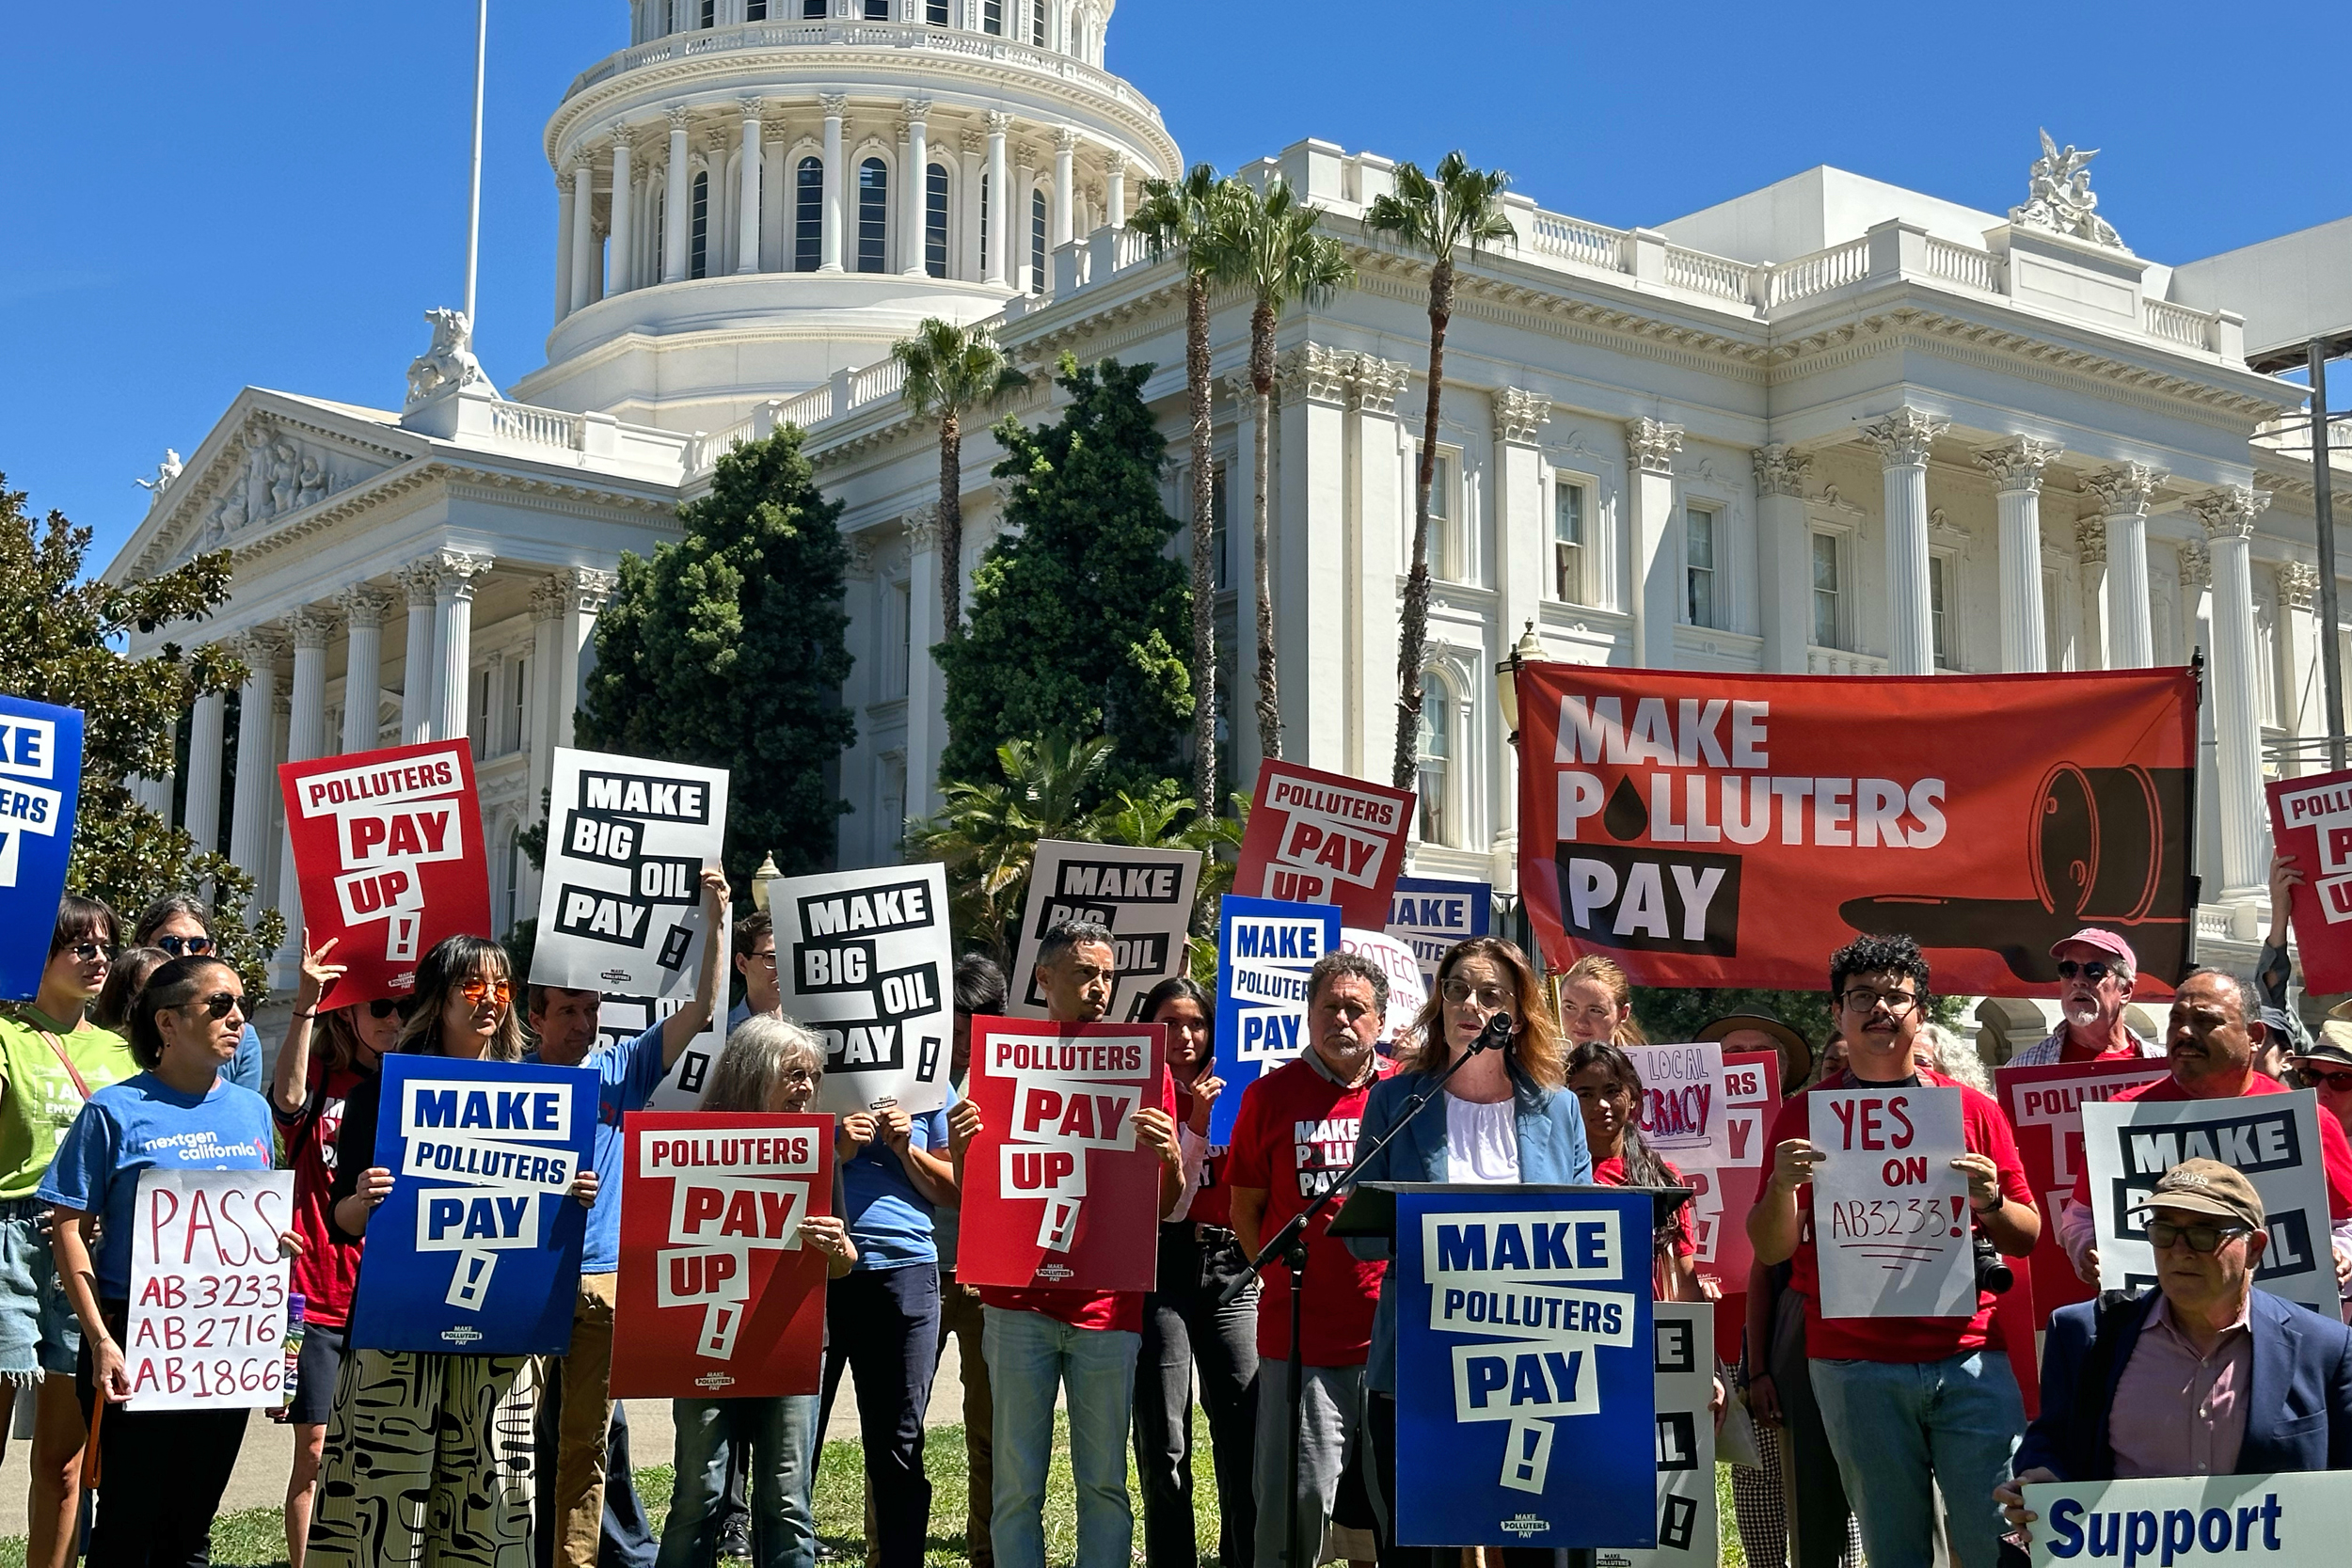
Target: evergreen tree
pixel 1078 614
pixel 60 642
pixel 725 650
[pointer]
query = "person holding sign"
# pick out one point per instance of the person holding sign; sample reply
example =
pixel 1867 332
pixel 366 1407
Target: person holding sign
pixel 1608 1089
pixel 2203 1377
pixel 1506 1117
pixel 162 1471
pixel 1903 1398
pixel 428 1453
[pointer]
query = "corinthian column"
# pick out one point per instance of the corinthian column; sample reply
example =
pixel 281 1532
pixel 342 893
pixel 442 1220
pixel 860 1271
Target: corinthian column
pixel 364 610
pixel 1115 166
pixel 1784 549
pixel 1000 217
pixel 1903 440
pixel 621 275
pixel 747 193
pixel 306 738
pixel 453 603
pixel 1650 447
pixel 420 580
pixel 2124 494
pixel 678 201
pixel 1065 192
pixel 257 773
pixel 208 726
pixel 2228 516
pixel 914 223
pixel 2016 470
pixel 836 105
pixel 583 289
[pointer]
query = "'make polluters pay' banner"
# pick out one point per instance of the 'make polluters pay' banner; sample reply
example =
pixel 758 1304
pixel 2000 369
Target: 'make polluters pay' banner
pixel 478 1248
pixel 1526 1401
pixel 1265 951
pixel 40 781
pixel 2282 1521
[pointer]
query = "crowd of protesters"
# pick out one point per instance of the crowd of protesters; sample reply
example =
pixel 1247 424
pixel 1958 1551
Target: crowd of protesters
pixel 1890 1439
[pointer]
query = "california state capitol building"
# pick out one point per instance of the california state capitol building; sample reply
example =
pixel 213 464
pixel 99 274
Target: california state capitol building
pixel 1831 426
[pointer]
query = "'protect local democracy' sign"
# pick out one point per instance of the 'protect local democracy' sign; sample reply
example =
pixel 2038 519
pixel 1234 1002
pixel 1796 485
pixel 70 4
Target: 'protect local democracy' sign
pixel 621 904
pixel 1266 947
pixel 2282 1521
pixel 1324 838
pixel 40 780
pixel 1145 898
pixel 864 957
pixel 1525 1396
pixel 388 846
pixel 477 1250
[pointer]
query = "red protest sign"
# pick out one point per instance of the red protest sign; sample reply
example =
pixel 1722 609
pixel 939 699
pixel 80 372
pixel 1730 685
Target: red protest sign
pixel 1055 1189
pixel 1324 838
pixel 1713 829
pixel 717 1296
pixel 2046 1105
pixel 1727 1187
pixel 388 848
pixel 2311 820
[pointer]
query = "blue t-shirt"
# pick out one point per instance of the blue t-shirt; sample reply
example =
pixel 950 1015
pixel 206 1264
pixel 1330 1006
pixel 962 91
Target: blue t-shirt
pixel 245 1067
pixel 144 1121
pixel 626 1075
pixel 889 1220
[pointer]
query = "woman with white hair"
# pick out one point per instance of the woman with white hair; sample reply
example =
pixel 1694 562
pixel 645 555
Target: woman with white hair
pixel 1955 1057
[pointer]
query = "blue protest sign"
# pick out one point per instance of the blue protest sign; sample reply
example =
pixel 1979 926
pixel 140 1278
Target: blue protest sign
pixel 1430 914
pixel 40 779
pixel 478 1248
pixel 1526 1403
pixel 1264 948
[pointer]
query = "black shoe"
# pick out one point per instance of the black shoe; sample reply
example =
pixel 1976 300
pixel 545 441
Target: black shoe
pixel 735 1541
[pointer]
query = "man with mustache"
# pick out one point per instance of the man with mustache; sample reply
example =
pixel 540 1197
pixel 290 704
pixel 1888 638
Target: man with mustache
pixel 2096 972
pixel 2210 1041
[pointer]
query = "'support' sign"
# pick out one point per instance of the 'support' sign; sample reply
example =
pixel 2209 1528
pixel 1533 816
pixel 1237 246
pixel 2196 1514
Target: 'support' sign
pixel 621 905
pixel 208 1290
pixel 1722 830
pixel 2280 1521
pixel 1324 838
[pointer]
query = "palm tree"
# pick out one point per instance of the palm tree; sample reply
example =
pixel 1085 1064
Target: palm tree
pixel 1463 206
pixel 986 832
pixel 953 370
pixel 1270 245
pixel 1178 218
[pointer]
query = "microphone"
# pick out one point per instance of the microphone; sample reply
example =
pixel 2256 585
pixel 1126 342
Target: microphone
pixel 1495 1036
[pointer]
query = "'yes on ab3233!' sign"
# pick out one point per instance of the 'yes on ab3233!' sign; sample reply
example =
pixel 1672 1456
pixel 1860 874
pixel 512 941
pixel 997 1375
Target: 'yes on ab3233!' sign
pixel 1526 1394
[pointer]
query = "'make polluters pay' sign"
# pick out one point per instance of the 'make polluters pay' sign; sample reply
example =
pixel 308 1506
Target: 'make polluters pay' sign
pixel 1266 949
pixel 2282 1521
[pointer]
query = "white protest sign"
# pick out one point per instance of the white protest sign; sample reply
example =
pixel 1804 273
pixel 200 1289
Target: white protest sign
pixel 2273 1139
pixel 622 1019
pixel 1144 895
pixel 620 907
pixel 1685 1115
pixel 207 1328
pixel 1407 993
pixel 1890 1214
pixel 2278 1521
pixel 1684 1333
pixel 866 959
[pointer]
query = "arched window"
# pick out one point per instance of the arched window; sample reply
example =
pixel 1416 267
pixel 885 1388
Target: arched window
pixel 815 9
pixel 992 17
pixel 808 215
pixel 1437 749
pixel 698 253
pixel 1037 242
pixel 935 220
pixel 873 214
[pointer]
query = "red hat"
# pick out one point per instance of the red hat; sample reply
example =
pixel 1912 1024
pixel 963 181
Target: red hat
pixel 2105 942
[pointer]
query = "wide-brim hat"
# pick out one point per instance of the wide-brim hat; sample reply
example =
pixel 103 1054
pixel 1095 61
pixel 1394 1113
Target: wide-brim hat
pixel 2333 1046
pixel 1796 1053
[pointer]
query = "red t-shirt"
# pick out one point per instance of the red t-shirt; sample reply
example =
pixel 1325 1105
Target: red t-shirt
pixel 1295 1133
pixel 1985 1131
pixel 1076 1307
pixel 1212 1200
pixel 2335 1150
pixel 328 1267
pixel 1610 1173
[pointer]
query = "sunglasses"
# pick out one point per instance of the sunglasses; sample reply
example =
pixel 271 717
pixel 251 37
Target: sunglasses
pixel 2339 1082
pixel 182 947
pixel 86 951
pixel 2094 971
pixel 383 1006
pixel 217 1005
pixel 474 990
pixel 2201 1237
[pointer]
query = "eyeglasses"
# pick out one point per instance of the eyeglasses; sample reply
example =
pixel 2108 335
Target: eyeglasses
pixel 217 1005
pixel 474 990
pixel 1863 999
pixel 764 957
pixel 383 1006
pixel 798 1075
pixel 2094 971
pixel 2201 1237
pixel 2339 1082
pixel 184 947
pixel 1490 998
pixel 86 951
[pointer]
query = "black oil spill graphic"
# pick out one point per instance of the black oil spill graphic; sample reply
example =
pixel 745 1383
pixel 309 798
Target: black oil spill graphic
pixel 1625 817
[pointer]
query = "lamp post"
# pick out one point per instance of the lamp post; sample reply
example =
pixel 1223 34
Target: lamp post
pixel 1528 650
pixel 761 878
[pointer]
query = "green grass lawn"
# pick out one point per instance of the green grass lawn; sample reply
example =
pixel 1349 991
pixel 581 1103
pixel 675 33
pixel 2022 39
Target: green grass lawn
pixel 256 1538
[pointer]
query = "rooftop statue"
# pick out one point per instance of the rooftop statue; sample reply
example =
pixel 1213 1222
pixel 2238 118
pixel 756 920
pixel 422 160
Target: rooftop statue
pixel 450 362
pixel 166 472
pixel 2060 197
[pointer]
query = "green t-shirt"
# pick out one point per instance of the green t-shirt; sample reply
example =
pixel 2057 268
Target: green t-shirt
pixel 41 1098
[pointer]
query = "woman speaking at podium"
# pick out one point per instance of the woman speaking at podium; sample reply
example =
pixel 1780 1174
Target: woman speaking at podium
pixel 1506 1117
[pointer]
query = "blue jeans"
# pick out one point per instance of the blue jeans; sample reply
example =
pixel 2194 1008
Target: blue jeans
pixel 1029 1357
pixel 781 1434
pixel 1891 1423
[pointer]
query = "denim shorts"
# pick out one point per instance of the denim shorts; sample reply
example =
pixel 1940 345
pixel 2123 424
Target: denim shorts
pixel 38 1332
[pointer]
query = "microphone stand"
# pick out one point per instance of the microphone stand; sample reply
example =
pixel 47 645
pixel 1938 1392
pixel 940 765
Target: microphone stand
pixel 1288 1246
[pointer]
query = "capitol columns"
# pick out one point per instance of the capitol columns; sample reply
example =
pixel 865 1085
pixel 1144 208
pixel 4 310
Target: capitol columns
pixel 1065 192
pixel 2124 493
pixel 584 593
pixel 999 203
pixel 305 739
pixel 1650 445
pixel 1115 174
pixel 207 729
pixel 621 270
pixel 2228 516
pixel 1903 440
pixel 257 745
pixel 420 581
pixel 2016 470
pixel 1308 519
pixel 364 610
pixel 452 610
pixel 916 180
pixel 747 190
pixel 583 289
pixel 677 198
pixel 837 107
pixel 1784 557
pixel 2306 705
pixel 547 624
pixel 1373 387
pixel 1522 538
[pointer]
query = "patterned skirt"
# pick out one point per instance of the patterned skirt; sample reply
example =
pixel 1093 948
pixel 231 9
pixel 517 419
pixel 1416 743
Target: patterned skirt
pixel 428 1463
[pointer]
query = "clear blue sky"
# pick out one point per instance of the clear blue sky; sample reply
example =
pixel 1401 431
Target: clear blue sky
pixel 201 196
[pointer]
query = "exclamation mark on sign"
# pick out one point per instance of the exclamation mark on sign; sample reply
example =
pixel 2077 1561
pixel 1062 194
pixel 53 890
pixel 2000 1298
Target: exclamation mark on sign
pixel 1528 1457
pixel 929 1068
pixel 720 1319
pixel 470 1287
pixel 1060 1224
pixel 1958 1210
pixel 399 940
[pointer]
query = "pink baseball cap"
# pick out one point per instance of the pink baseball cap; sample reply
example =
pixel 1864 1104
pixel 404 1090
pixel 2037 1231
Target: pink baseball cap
pixel 2105 942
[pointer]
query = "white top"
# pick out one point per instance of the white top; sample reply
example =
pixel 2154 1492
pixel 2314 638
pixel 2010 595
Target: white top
pixel 1482 1142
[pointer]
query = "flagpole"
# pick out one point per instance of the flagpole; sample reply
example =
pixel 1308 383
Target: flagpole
pixel 473 211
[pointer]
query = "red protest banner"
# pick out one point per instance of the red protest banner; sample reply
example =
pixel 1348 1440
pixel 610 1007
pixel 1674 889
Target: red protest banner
pixel 2046 1105
pixel 1324 838
pixel 717 1296
pixel 1708 829
pixel 1056 1189
pixel 388 848
pixel 2312 819
pixel 1727 1191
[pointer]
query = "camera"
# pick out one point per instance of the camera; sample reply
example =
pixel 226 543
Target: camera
pixel 1992 1271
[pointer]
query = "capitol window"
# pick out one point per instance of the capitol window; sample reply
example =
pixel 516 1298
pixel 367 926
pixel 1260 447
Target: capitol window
pixel 992 17
pixel 1445 554
pixel 1567 542
pixel 808 216
pixel 935 13
pixel 813 10
pixel 877 10
pixel 710 13
pixel 1037 242
pixel 754 10
pixel 935 220
pixel 1220 537
pixel 1828 584
pixel 873 214
pixel 1036 24
pixel 698 253
pixel 522 704
pixel 1939 574
pixel 1698 572
pixel 1436 749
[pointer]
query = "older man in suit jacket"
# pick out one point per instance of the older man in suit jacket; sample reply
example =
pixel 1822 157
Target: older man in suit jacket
pixel 2204 1376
